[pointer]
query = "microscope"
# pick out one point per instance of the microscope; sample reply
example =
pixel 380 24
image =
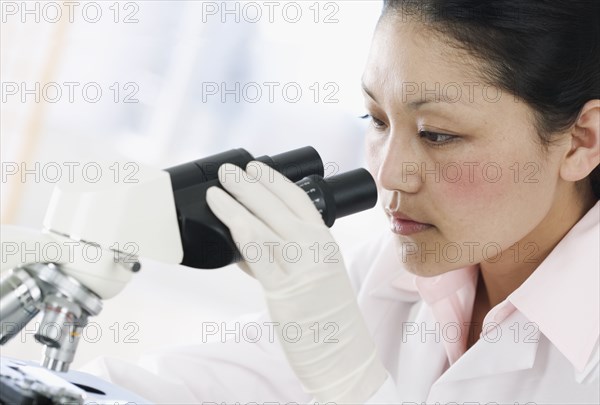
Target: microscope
pixel 94 234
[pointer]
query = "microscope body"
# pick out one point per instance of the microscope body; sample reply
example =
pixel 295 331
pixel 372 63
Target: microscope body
pixel 93 235
pixel 95 232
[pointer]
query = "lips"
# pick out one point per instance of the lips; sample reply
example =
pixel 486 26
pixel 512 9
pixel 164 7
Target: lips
pixel 400 222
pixel 403 224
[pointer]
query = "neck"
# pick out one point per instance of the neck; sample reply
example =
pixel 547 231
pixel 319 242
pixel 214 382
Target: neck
pixel 517 263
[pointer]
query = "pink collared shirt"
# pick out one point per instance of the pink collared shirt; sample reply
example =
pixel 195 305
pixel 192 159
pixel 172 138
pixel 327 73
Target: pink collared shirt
pixel 540 345
pixel 560 297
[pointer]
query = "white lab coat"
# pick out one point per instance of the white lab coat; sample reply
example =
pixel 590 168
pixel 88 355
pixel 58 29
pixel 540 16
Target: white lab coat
pixel 498 370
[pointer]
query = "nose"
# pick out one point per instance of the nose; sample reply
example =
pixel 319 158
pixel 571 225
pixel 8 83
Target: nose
pixel 399 169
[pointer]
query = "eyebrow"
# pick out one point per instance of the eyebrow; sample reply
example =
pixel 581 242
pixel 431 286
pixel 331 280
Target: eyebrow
pixel 438 98
pixel 366 90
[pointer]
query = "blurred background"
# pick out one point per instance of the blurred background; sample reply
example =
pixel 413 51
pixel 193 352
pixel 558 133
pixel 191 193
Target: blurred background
pixel 163 83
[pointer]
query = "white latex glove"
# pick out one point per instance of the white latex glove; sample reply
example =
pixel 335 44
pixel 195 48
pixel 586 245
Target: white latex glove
pixel 291 252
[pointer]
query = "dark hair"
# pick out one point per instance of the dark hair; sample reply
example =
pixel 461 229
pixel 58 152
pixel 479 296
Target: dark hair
pixel 545 52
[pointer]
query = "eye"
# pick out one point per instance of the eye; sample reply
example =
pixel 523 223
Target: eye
pixel 435 138
pixel 377 123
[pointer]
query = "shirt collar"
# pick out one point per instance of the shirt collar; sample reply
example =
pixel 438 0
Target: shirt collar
pixel 562 296
pixel 450 297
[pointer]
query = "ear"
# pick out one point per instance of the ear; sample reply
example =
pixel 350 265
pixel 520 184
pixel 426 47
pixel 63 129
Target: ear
pixel 584 154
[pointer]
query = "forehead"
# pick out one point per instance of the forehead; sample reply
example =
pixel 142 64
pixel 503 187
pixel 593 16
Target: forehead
pixel 407 55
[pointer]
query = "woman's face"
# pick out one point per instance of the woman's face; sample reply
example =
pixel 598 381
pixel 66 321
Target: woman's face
pixel 452 152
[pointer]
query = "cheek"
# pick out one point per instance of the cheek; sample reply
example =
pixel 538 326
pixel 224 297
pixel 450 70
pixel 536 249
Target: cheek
pixel 489 203
pixel 472 182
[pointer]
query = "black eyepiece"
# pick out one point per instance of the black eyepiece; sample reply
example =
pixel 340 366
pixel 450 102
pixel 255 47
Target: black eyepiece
pixel 207 243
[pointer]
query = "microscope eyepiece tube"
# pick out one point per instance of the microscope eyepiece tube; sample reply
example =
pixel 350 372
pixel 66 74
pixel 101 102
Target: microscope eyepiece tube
pixel 207 243
pixel 341 195
pixel 295 164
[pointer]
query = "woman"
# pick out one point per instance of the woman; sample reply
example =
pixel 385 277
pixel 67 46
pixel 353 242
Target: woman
pixel 485 143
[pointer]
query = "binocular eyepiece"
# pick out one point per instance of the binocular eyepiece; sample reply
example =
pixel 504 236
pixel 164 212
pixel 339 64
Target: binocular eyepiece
pixel 207 243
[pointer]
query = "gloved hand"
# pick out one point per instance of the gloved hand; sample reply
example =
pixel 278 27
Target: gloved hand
pixel 291 252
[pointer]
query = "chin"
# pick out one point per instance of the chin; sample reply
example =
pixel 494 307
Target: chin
pixel 413 263
pixel 421 262
pixel 424 269
pixel 431 270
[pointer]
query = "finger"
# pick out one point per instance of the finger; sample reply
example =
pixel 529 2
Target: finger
pixel 237 218
pixel 233 214
pixel 292 196
pixel 257 199
pixel 248 232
